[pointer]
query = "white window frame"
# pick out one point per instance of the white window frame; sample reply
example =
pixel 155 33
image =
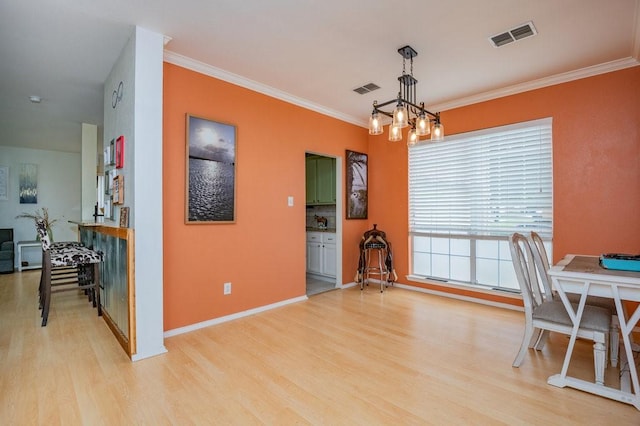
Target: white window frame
pixel 487 184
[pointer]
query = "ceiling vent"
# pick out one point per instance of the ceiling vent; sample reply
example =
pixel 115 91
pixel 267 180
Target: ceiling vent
pixel 366 88
pixel 514 34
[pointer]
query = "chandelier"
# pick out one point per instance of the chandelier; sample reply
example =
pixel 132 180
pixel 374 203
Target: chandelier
pixel 407 113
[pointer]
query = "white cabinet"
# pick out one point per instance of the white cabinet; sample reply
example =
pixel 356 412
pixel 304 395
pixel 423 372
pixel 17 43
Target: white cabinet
pixel 329 260
pixel 321 253
pixel 314 252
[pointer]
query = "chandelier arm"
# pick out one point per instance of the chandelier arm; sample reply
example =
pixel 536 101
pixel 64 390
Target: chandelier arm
pixel 388 114
pixel 418 107
pixel 378 106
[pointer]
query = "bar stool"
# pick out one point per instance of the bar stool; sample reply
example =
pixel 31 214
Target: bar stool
pixel 67 266
pixel 375 255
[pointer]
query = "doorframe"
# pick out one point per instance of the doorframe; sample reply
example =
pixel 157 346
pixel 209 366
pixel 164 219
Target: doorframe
pixel 339 208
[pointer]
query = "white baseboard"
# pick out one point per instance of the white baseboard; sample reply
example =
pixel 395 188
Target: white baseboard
pixel 459 297
pixel 208 323
pixel 231 317
pixel 450 295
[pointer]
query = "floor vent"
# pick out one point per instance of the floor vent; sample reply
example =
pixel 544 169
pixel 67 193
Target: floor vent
pixel 366 88
pixel 514 34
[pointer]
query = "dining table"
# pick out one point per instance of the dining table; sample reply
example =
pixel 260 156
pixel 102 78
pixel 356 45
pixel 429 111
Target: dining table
pixel 584 275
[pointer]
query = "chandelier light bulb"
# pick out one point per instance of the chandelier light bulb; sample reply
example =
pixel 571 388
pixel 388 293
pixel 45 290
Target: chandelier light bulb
pixel 412 138
pixel 395 133
pixel 400 116
pixel 375 124
pixel 438 132
pixel 423 127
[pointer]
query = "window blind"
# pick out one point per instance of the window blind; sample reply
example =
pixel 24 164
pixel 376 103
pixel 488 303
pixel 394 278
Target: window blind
pixel 491 182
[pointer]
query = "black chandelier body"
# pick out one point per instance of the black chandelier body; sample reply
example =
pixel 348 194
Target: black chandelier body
pixel 407 112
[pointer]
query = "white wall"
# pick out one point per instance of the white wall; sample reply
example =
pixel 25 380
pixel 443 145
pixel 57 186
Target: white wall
pixel 147 186
pixel 59 183
pixel 138 116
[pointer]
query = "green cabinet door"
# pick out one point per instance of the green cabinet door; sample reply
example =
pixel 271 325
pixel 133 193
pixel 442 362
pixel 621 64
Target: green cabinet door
pixel 325 175
pixel 321 180
pixel 312 182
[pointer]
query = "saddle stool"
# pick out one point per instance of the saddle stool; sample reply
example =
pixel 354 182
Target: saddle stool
pixel 375 253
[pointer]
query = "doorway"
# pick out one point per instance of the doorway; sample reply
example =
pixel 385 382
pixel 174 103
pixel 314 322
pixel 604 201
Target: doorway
pixel 323 223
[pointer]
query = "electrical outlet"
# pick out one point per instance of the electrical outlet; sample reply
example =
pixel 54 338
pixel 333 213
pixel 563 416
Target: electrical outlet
pixel 227 288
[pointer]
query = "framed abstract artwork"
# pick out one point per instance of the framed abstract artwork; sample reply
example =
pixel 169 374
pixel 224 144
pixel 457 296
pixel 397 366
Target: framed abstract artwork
pixel 356 185
pixel 211 171
pixel 4 183
pixel 28 184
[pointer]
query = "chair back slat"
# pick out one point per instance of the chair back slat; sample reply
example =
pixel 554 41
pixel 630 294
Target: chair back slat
pixel 541 261
pixel 523 263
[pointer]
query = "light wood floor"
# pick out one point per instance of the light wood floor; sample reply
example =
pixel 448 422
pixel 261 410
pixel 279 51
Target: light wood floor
pixel 342 357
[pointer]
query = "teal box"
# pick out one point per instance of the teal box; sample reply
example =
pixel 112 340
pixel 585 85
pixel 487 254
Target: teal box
pixel 621 262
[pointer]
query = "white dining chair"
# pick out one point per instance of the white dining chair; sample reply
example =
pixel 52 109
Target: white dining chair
pixel 542 312
pixel 542 263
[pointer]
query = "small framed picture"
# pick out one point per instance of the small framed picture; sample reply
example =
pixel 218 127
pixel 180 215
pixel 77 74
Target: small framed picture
pixel 120 152
pixel 124 217
pixel 118 190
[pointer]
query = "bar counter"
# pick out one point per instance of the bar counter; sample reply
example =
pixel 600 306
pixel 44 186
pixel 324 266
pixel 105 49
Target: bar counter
pixel 116 273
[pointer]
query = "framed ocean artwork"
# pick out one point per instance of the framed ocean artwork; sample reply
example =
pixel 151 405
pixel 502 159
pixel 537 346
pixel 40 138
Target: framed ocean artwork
pixel 211 171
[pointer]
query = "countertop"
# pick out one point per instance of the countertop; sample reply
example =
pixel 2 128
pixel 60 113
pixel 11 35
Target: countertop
pixel 106 223
pixel 312 229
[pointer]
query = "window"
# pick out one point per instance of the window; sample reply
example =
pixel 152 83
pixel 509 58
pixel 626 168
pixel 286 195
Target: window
pixel 468 193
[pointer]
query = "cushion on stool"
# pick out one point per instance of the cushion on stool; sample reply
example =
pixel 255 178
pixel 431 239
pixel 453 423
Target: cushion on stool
pixel 65 244
pixel 74 256
pixel 375 245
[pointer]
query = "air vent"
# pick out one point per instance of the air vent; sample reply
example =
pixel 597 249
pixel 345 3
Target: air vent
pixel 514 34
pixel 366 88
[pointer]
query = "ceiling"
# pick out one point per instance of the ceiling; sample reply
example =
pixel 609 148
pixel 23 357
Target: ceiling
pixel 313 53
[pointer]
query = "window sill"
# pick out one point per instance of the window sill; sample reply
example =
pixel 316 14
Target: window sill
pixel 465 287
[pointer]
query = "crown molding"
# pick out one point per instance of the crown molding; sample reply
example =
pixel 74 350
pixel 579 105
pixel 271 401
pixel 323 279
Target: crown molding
pixel 206 69
pixel 591 71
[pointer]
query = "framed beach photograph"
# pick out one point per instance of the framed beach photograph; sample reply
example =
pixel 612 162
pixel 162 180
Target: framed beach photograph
pixel 211 171
pixel 356 182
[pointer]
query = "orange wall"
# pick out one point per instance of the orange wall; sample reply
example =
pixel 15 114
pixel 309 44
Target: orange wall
pixel 263 254
pixel 596 151
pixel 596 164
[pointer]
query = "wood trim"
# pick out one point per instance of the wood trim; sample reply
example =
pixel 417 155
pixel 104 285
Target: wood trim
pixel 127 234
pixel 131 290
pixel 112 231
pixel 121 338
